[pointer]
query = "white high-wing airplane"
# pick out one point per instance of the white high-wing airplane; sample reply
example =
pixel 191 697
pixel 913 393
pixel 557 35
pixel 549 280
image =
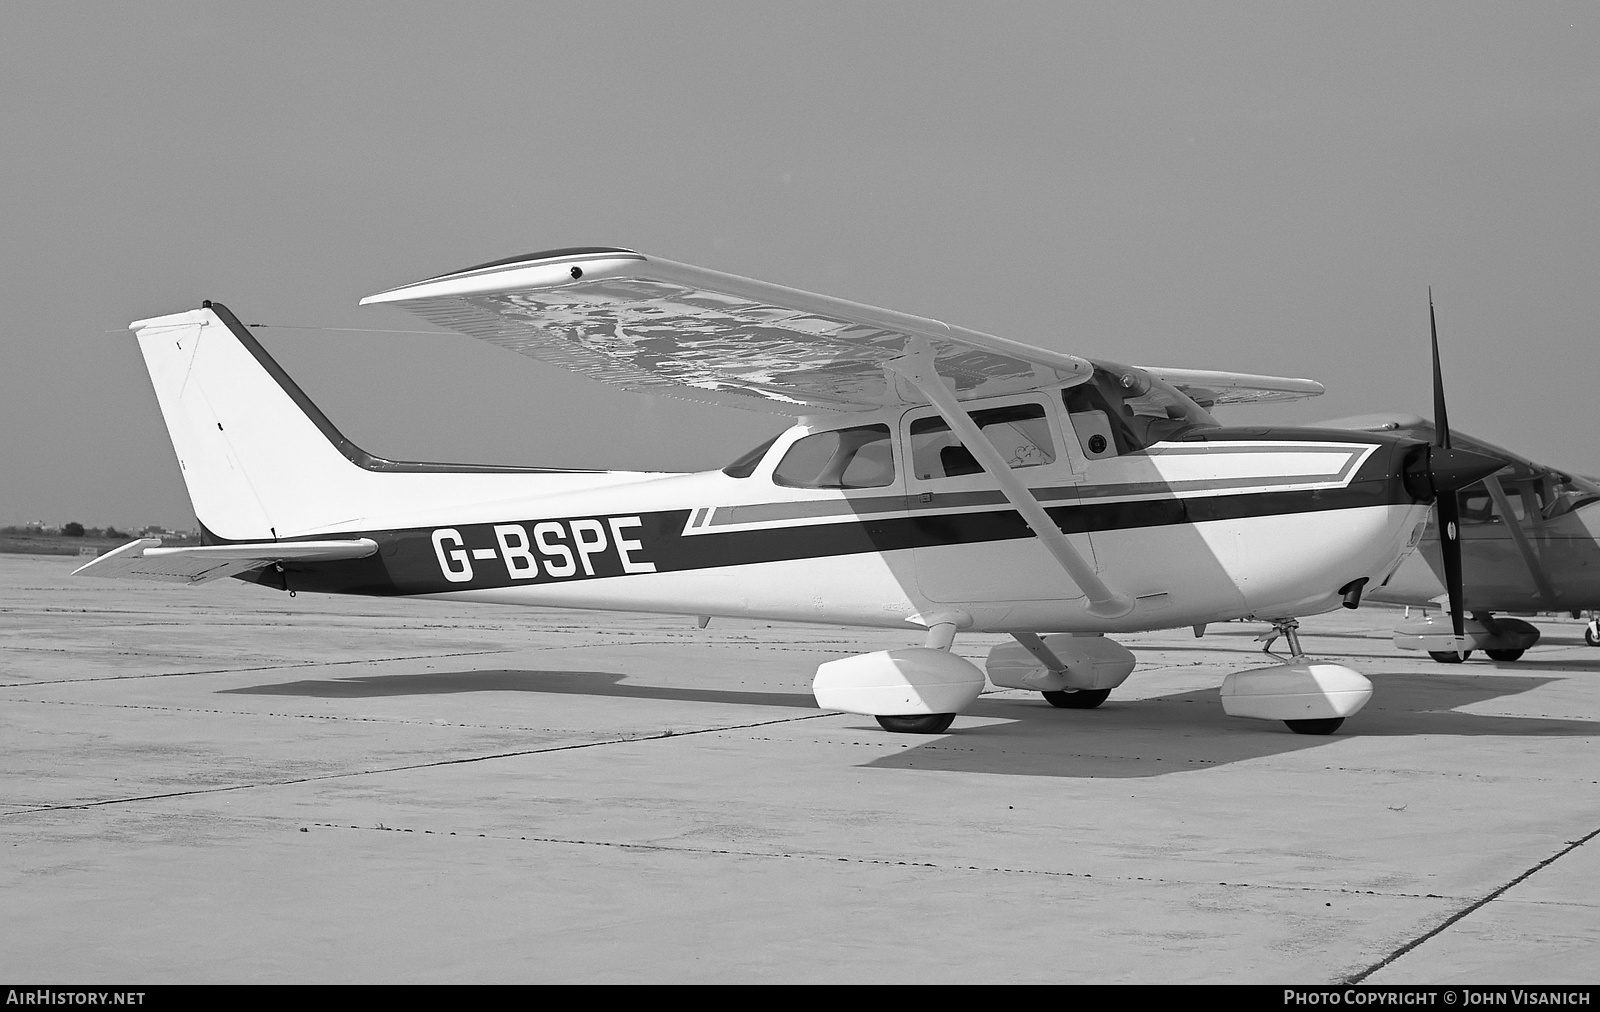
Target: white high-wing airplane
pixel 937 478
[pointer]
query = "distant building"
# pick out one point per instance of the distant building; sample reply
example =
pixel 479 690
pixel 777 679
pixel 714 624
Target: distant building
pixel 158 531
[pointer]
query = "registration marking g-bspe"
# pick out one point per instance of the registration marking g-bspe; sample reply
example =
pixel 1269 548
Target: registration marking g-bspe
pixel 563 547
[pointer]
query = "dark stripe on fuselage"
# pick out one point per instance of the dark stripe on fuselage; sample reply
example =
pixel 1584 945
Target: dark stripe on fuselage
pixel 408 561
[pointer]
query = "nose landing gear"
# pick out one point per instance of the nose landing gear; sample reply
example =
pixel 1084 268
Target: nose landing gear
pixel 1310 697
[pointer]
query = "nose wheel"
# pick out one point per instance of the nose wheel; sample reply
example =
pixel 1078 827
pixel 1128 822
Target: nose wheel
pixel 1591 632
pixel 922 723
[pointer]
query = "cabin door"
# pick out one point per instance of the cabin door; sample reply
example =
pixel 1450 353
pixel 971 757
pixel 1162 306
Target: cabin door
pixel 971 545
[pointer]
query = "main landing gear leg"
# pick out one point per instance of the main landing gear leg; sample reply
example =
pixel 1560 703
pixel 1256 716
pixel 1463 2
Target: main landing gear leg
pixel 1066 699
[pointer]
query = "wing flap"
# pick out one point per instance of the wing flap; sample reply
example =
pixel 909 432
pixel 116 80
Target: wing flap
pixel 143 560
pixel 657 326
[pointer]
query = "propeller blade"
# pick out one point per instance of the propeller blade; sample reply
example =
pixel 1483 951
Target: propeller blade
pixel 1447 507
pixel 1448 510
pixel 1441 421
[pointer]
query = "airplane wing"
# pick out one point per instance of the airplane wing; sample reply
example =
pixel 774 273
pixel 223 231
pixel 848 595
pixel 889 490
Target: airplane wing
pixel 656 326
pixel 142 560
pixel 1208 387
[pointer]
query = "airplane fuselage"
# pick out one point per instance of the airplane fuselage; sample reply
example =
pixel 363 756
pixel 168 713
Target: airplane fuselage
pixel 1228 523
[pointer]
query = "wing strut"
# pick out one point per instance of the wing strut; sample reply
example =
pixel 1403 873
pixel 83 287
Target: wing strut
pixel 1503 504
pixel 917 368
pixel 1035 645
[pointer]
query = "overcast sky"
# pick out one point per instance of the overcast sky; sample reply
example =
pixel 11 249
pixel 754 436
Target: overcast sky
pixel 1257 187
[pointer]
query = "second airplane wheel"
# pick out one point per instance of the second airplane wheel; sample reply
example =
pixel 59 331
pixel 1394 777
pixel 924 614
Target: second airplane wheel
pixel 1448 656
pixel 1503 655
pixel 1589 636
pixel 1082 699
pixel 922 723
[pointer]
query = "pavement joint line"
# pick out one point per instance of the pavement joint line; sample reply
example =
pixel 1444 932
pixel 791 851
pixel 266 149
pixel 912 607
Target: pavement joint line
pixel 1472 907
pixel 264 667
pixel 85 805
pixel 834 858
pixel 931 747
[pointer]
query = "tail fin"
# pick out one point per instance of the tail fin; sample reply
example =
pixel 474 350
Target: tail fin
pixel 261 461
pixel 258 464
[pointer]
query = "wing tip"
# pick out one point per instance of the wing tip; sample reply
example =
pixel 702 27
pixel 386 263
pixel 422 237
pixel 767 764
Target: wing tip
pixel 541 258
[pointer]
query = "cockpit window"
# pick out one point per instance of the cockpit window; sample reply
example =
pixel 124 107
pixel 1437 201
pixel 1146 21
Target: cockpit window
pixel 747 463
pixel 1566 493
pixel 1540 494
pixel 1544 494
pixel 1123 410
pixel 1021 433
pixel 861 457
pixel 1477 507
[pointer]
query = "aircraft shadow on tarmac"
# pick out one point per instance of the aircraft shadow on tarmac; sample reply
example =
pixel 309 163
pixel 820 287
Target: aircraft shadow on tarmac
pixel 1187 731
pixel 575 683
pixel 1175 733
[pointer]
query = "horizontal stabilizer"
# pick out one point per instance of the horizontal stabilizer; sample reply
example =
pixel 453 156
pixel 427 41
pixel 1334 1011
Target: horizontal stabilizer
pixel 143 560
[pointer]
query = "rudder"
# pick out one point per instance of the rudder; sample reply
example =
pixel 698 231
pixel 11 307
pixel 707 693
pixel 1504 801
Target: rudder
pixel 257 463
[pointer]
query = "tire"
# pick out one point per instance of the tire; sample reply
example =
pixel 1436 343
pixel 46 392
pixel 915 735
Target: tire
pixel 921 723
pixel 1324 725
pixel 1448 656
pixel 1589 637
pixel 1080 699
pixel 1503 655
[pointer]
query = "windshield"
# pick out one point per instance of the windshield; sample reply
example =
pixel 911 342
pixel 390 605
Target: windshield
pixel 857 457
pixel 1568 492
pixel 748 461
pixel 1540 494
pixel 1139 408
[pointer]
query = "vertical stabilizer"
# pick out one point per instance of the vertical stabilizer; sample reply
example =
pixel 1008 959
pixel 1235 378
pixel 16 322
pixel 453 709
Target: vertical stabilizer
pixel 256 464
